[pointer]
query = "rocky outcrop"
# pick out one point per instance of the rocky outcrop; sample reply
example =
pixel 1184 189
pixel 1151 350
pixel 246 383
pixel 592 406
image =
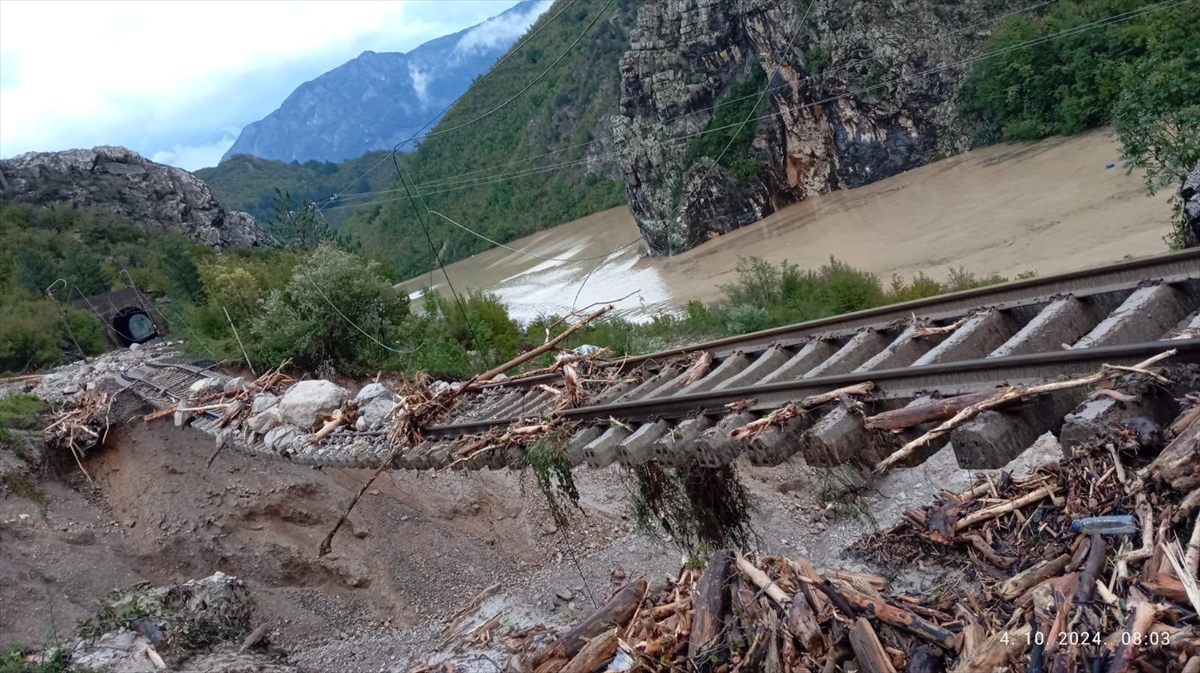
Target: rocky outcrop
pixel 1189 193
pixel 123 182
pixel 863 93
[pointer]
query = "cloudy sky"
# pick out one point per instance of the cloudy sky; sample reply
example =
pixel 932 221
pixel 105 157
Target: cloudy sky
pixel 176 81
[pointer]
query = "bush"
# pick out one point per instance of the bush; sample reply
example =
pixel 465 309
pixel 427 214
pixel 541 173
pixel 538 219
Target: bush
pixel 309 320
pixel 482 317
pixel 88 331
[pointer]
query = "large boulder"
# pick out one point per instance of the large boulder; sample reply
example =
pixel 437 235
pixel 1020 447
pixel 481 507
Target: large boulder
pixel 125 183
pixel 302 403
pixel 1189 192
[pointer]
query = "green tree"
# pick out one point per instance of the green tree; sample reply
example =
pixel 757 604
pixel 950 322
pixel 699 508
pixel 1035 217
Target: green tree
pixel 1157 119
pixel 35 271
pixel 183 276
pixel 301 226
pixel 334 312
pixel 85 270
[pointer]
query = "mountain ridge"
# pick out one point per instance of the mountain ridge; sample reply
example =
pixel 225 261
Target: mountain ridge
pixel 378 99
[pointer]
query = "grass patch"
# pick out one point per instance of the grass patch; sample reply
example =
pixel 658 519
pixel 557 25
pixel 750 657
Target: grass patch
pixel 22 487
pixel 12 660
pixel 19 407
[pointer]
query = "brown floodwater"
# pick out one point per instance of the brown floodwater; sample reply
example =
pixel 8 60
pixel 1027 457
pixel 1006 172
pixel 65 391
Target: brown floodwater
pixel 1046 207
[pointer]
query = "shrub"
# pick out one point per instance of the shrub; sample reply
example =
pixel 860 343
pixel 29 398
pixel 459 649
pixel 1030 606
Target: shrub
pixel 309 320
pixel 482 317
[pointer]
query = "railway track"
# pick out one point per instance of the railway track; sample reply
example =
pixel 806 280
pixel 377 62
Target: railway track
pixel 1027 331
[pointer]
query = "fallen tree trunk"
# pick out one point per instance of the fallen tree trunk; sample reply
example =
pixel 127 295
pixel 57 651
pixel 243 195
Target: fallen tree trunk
pixel 899 419
pixel 599 650
pixel 900 618
pixel 616 612
pixel 544 348
pixel 1027 579
pixel 712 602
pixel 1179 463
pixel 868 651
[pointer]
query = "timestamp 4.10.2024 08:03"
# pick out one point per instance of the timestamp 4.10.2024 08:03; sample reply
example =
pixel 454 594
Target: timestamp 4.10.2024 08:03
pixel 1149 639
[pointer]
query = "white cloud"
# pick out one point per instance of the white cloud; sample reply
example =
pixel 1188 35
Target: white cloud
pixel 172 77
pixel 502 29
pixel 420 81
pixel 192 157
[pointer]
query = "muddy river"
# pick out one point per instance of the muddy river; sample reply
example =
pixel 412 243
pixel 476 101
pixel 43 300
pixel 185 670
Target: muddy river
pixel 1049 206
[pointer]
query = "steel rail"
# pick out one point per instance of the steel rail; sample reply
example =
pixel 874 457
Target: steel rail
pixel 947 378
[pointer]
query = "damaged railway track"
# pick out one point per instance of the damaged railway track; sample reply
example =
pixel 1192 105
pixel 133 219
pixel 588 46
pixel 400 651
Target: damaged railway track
pixel 843 381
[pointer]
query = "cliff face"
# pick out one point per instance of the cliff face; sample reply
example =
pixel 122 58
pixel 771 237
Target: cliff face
pixel 125 183
pixel 862 94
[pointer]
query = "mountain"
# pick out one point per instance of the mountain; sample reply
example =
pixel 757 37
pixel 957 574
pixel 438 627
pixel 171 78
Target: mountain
pixel 529 147
pixel 379 99
pixel 248 183
pixel 150 195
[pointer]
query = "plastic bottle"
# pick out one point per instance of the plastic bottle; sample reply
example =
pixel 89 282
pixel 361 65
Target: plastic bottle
pixel 1123 524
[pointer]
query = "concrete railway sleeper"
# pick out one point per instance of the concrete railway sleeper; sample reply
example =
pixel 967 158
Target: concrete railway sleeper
pixel 655 412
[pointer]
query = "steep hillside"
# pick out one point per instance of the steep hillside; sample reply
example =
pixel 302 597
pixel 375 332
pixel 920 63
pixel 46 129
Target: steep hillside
pixel 248 183
pixel 468 173
pixel 378 99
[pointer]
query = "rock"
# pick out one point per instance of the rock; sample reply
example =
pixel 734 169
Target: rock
pixel 304 400
pixel 134 347
pixel 123 182
pixel 687 56
pixel 1189 193
pixel 70 389
pixel 118 652
pixel 262 402
pixel 371 391
pixel 205 385
pixel 564 594
pixel 234 385
pixel 374 412
pixel 265 421
pixel 281 437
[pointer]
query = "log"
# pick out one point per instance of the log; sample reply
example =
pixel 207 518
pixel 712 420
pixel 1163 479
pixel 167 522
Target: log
pixel 1097 554
pixel 924 659
pixel 616 612
pixel 868 650
pixel 907 417
pixel 902 619
pixel 1003 508
pixel 1027 579
pixel 802 622
pixel 1179 463
pixel 860 579
pixel 996 652
pixel 546 347
pixel 809 578
pixel 599 650
pixel 760 580
pixel 712 602
pixel 1141 617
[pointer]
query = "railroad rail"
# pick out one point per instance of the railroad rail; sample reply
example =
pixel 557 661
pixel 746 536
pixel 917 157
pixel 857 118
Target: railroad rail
pixel 1026 331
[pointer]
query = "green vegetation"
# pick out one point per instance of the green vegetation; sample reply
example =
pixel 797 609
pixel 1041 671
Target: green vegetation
pixel 737 105
pixel 23 488
pixel 1071 83
pixel 12 660
pixel 249 183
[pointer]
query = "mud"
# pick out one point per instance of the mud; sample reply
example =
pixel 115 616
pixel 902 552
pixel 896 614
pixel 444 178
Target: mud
pixel 1045 207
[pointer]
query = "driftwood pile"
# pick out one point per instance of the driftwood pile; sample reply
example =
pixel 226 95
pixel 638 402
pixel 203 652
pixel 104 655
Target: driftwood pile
pixel 80 425
pixel 1028 590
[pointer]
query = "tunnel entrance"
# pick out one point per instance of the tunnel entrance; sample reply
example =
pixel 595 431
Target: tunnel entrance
pixel 133 326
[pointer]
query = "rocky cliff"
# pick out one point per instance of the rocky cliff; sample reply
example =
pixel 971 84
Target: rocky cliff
pixel 379 99
pixel 125 183
pixel 1189 195
pixel 863 93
